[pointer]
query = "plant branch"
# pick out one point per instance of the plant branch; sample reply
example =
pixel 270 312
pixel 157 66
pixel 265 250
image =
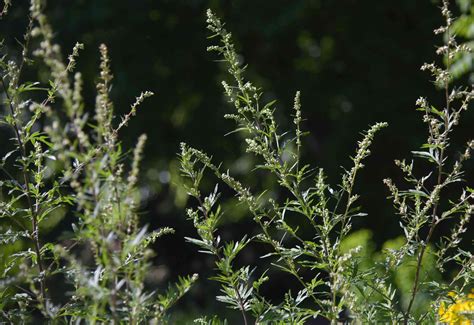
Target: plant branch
pixel 26 188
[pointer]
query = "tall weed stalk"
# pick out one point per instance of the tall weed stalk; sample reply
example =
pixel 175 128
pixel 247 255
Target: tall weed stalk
pixel 66 161
pixel 332 281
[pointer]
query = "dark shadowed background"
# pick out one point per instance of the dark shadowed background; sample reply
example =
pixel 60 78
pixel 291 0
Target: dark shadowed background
pixel 355 63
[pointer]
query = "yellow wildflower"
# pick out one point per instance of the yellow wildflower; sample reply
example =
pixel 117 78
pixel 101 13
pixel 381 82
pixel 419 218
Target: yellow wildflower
pixel 461 312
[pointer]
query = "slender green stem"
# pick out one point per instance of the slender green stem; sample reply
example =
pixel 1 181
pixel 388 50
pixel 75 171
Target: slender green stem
pixel 434 221
pixel 33 212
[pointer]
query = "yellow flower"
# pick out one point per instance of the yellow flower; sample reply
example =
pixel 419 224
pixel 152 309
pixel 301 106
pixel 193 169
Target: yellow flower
pixel 461 312
pixel 452 294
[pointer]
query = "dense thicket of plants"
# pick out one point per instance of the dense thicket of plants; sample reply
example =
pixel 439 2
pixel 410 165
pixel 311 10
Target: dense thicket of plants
pixel 65 161
pixel 332 278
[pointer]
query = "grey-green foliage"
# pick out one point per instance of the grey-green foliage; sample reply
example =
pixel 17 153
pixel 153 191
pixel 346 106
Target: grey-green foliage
pixel 339 286
pixel 67 161
pixel 328 210
pixel 6 6
pixel 439 196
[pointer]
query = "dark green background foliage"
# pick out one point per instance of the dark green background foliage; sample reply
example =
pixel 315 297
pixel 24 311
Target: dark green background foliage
pixel 355 62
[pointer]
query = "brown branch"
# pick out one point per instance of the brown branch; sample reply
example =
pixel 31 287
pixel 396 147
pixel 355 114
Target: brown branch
pixel 434 221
